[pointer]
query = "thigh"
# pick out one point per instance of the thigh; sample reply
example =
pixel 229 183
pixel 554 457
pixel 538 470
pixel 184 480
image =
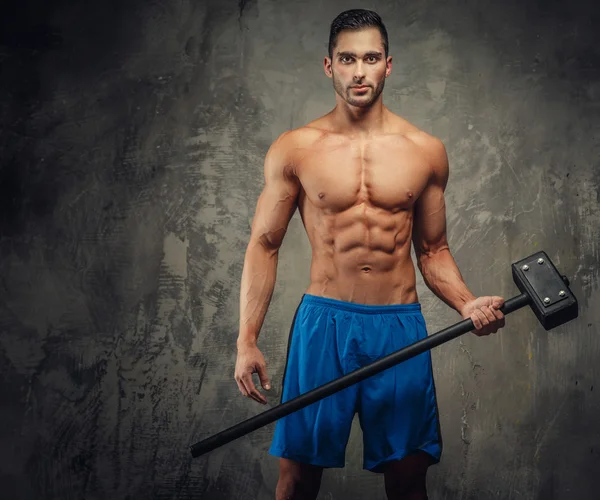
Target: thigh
pixel 398 410
pixel 318 433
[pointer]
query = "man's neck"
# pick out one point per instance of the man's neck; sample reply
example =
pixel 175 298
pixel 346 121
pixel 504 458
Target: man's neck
pixel 363 121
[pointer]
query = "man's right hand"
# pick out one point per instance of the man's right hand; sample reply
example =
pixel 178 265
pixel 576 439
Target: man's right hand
pixel 249 361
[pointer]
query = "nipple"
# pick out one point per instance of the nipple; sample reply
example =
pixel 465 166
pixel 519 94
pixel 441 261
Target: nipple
pixel 410 195
pixel 321 195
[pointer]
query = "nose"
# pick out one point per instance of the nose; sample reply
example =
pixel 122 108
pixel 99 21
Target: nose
pixel 359 72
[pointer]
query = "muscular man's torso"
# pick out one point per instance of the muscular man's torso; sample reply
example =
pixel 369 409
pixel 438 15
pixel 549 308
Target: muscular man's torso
pixel 356 201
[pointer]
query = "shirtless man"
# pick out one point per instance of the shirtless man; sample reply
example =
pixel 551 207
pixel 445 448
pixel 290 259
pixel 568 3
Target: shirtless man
pixel 366 183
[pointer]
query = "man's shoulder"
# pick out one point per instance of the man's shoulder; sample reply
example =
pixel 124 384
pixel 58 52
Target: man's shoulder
pixel 301 137
pixel 312 131
pixel 430 146
pixel 411 132
pixel 283 153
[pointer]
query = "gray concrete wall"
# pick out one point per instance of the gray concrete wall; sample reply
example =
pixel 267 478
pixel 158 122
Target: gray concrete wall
pixel 131 152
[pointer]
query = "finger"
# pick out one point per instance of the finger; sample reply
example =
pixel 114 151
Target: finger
pixel 238 381
pixel 497 313
pixel 492 326
pixel 241 386
pixel 500 322
pixel 497 302
pixel 488 314
pixel 483 321
pixel 246 381
pixel 476 321
pixel 482 317
pixel 245 388
pixel 263 377
pixel 500 318
pixel 252 390
pixel 258 397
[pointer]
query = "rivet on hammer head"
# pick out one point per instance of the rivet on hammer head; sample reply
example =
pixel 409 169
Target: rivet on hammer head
pixel 547 300
pixel 562 293
pixel 540 261
pixel 525 267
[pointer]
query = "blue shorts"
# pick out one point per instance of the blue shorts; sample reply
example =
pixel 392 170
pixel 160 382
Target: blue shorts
pixel 397 408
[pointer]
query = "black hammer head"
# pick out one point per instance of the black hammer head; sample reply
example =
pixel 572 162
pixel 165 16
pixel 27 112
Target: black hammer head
pixel 551 299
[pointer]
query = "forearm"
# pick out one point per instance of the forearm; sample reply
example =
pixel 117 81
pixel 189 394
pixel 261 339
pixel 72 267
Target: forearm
pixel 442 276
pixel 256 290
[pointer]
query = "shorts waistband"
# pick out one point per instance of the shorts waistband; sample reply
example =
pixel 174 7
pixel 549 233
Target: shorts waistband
pixel 360 308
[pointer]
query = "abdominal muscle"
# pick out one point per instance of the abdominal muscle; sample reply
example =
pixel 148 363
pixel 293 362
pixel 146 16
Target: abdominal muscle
pixel 361 255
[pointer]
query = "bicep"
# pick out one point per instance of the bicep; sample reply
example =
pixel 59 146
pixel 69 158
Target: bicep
pixel 278 200
pixel 429 227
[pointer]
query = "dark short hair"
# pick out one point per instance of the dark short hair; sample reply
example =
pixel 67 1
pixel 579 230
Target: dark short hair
pixel 356 19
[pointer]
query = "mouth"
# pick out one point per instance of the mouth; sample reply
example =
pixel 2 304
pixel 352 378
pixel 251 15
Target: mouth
pixel 360 87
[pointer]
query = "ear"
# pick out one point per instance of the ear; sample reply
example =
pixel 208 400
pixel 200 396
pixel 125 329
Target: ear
pixel 388 66
pixel 327 67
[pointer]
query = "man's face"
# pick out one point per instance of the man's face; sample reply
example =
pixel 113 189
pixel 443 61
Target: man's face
pixel 359 66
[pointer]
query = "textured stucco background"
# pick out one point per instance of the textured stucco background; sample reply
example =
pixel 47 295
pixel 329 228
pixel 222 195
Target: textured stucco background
pixel 131 147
